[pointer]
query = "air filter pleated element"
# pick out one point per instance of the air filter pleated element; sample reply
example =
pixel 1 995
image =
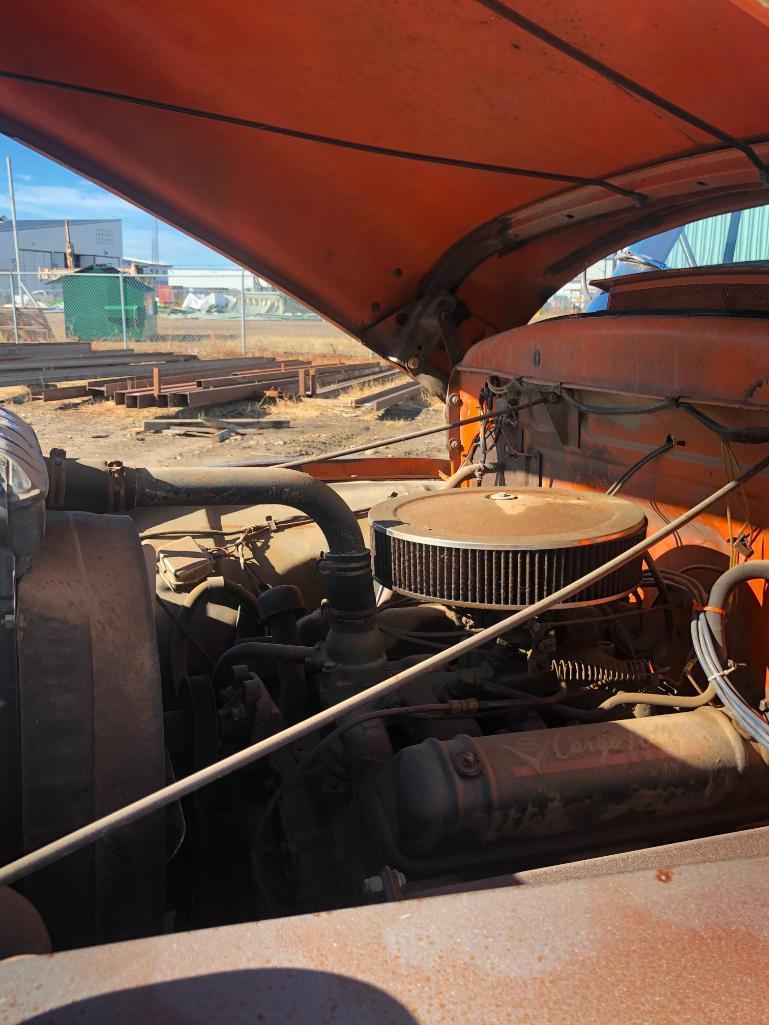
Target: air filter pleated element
pixel 504 549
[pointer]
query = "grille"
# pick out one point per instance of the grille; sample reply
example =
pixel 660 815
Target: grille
pixel 728 297
pixel 504 561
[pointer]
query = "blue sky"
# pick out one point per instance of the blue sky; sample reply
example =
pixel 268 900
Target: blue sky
pixel 45 189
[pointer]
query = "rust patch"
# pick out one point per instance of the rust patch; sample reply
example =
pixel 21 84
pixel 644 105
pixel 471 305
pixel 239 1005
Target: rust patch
pixel 540 956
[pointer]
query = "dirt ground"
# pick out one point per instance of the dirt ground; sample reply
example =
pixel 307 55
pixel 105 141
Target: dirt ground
pixel 98 431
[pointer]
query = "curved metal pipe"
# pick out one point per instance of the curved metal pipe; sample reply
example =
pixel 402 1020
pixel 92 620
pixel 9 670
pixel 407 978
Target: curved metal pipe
pixel 465 473
pixel 353 639
pixel 119 488
pixel 266 650
pixel 207 588
pixel 722 589
pixel 250 485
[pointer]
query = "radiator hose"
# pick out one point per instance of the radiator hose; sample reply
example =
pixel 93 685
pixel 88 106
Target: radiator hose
pixel 353 638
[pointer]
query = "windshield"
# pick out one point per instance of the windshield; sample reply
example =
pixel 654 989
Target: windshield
pixel 739 237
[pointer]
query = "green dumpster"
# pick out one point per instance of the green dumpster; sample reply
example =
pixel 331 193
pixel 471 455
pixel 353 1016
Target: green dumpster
pixel 93 305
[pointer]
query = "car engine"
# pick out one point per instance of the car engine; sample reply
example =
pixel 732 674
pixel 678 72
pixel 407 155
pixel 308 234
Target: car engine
pixel 140 648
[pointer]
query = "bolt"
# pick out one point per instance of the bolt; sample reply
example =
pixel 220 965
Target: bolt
pixel 8 621
pixel 373 886
pixel 413 363
pixel 455 446
pixel 399 879
pixel 455 400
pixel 468 764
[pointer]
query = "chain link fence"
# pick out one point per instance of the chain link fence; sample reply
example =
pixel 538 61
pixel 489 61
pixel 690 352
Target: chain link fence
pixel 102 304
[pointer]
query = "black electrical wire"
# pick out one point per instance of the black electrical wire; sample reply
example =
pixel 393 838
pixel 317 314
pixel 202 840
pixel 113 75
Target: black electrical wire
pixel 736 435
pixel 623 82
pixel 620 482
pixel 324 140
pixel 584 407
pixel 413 638
pixel 662 592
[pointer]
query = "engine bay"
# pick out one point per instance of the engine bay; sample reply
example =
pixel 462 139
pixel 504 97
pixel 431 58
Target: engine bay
pixel 546 690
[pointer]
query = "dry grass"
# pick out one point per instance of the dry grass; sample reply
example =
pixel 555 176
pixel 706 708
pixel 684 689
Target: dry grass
pixel 212 339
pixel 15 393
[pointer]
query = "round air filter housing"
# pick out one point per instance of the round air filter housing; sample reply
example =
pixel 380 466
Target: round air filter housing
pixel 502 548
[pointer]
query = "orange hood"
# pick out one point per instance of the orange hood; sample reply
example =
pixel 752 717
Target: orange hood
pixel 423 173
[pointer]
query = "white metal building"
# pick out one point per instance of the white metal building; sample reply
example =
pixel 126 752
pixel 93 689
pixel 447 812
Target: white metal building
pixel 218 279
pixel 43 244
pixel 154 272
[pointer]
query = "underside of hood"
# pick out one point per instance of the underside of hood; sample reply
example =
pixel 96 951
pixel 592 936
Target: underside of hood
pixel 422 174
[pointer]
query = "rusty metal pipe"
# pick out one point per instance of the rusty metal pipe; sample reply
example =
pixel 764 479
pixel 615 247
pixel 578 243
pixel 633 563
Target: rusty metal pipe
pixel 353 637
pixel 231 485
pixel 465 473
pixel 119 488
pixel 167 795
pixel 623 697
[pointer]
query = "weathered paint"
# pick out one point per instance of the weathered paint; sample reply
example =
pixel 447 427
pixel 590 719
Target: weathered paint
pixel 357 234
pixel 672 946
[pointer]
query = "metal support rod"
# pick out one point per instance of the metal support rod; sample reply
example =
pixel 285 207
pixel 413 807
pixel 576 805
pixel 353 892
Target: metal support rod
pixel 328 716
pixel 13 310
pixel 409 437
pixel 12 204
pixel 243 311
pixel 122 309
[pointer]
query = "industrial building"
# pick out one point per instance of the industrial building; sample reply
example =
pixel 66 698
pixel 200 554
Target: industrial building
pixel 43 244
pixel 154 271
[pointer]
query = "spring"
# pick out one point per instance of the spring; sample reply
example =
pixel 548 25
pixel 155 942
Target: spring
pixel 600 669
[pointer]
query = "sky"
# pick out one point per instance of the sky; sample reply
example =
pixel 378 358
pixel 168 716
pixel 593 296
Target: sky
pixel 45 189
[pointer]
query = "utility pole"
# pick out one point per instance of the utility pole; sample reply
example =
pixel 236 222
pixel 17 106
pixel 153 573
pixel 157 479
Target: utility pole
pixel 155 255
pixel 243 311
pixel 12 201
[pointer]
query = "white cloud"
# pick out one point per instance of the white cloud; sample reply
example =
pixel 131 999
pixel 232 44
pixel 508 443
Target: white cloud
pixel 57 201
